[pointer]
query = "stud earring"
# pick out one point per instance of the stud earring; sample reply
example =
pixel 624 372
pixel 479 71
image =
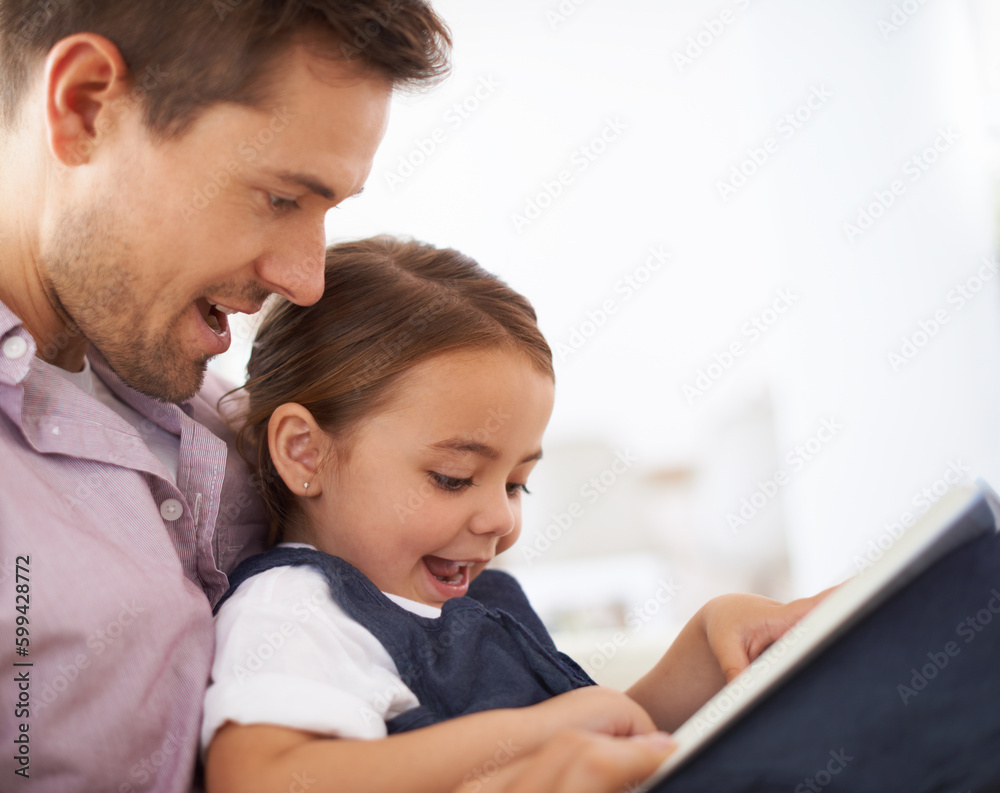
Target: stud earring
pixel 305 485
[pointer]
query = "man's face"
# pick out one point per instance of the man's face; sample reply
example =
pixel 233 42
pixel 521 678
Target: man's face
pixel 152 235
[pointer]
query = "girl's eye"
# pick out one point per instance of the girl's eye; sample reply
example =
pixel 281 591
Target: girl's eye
pixel 282 205
pixel 514 488
pixel 449 483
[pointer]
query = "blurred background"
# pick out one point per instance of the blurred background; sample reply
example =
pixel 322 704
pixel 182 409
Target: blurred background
pixel 760 236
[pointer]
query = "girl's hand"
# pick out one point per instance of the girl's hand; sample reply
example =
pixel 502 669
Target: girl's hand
pixel 718 643
pixel 739 628
pixel 596 709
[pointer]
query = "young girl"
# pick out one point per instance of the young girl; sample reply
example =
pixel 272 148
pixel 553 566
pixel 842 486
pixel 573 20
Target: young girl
pixel 393 426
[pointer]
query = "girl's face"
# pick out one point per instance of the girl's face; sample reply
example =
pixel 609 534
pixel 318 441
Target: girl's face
pixel 431 488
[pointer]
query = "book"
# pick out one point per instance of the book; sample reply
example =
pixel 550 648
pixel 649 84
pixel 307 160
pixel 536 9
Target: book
pixel 959 516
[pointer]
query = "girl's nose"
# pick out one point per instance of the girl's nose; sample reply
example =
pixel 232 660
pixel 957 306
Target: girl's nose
pixel 495 514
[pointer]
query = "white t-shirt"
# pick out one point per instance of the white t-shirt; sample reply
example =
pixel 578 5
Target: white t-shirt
pixel 287 654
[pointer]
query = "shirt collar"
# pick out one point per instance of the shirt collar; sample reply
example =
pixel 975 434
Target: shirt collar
pixel 166 414
pixel 16 358
pixel 84 379
pixel 17 348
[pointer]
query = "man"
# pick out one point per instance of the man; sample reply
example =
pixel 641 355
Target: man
pixel 165 164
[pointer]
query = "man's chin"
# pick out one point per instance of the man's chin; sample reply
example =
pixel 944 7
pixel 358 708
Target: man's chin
pixel 167 381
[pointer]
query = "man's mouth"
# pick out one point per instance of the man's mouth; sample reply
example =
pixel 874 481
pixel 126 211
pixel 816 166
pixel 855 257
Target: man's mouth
pixel 216 315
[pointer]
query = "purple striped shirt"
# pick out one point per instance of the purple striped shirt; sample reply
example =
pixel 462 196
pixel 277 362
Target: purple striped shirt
pixel 117 568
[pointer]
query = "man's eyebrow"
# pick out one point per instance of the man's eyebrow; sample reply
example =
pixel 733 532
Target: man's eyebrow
pixel 470 446
pixel 310 183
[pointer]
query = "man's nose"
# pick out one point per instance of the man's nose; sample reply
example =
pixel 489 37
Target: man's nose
pixel 295 264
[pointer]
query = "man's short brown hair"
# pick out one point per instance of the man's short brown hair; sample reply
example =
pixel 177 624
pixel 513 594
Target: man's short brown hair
pixel 189 54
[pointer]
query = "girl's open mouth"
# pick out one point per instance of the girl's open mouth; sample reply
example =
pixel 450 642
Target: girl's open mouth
pixel 448 577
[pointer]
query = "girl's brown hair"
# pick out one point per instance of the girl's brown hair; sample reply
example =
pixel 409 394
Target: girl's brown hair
pixel 388 304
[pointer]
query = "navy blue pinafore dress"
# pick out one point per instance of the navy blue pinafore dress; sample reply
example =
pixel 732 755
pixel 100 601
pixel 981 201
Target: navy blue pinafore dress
pixel 487 650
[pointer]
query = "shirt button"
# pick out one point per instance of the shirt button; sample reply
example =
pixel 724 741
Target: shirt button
pixel 14 347
pixel 171 509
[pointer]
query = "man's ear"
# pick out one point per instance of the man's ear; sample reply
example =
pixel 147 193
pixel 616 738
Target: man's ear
pixel 85 80
pixel 298 446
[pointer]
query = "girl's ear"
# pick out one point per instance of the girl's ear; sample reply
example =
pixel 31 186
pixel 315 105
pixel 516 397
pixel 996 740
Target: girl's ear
pixel 297 445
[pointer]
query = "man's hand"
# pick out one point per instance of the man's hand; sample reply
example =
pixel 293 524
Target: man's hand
pixel 580 762
pixel 595 709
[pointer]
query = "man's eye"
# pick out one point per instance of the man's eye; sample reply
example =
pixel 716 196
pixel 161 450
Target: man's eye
pixel 514 488
pixel 449 483
pixel 282 205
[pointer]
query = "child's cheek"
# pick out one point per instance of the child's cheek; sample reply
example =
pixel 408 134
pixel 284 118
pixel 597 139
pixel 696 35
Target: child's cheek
pixel 508 540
